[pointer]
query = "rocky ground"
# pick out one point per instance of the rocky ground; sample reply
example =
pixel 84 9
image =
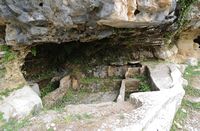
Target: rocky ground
pixel 98 111
pixel 188 116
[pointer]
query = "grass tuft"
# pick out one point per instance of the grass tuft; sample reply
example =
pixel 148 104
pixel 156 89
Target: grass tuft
pixel 77 117
pixel 144 84
pixel 13 125
pixel 181 117
pixel 9 54
pixel 49 88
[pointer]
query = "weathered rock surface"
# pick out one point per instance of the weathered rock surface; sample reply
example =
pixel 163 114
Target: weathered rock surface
pixel 132 85
pixel 174 95
pixel 135 23
pixel 194 16
pixel 125 22
pixel 56 95
pixel 157 110
pixel 63 21
pixel 170 76
pixel 160 76
pixel 131 72
pixel 35 87
pixel 186 43
pixel 165 53
pixel 20 104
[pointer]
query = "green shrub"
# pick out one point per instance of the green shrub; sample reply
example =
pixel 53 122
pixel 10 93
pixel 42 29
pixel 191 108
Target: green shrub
pixel 9 54
pixel 144 84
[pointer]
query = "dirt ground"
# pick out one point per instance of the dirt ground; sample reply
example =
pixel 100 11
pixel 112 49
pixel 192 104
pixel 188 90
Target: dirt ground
pixel 83 117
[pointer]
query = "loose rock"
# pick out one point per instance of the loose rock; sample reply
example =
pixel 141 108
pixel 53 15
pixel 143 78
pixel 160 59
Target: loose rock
pixel 20 104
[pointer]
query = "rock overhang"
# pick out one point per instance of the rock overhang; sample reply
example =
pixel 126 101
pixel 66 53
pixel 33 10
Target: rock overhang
pixel 28 22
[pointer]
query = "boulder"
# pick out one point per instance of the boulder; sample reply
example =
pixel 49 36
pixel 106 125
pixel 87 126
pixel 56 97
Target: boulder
pixel 160 77
pixel 165 52
pixel 35 87
pixel 20 104
pixel 65 82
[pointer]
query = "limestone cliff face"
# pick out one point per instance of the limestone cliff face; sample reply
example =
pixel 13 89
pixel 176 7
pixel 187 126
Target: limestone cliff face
pixel 146 27
pixel 36 21
pixel 188 42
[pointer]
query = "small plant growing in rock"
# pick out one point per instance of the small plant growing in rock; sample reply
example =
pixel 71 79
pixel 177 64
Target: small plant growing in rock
pixel 2 73
pixel 49 88
pixel 185 6
pixel 14 125
pixel 144 84
pixel 7 91
pixel 33 51
pixel 9 54
pixel 77 117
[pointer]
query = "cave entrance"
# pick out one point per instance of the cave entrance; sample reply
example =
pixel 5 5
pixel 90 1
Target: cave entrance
pixel 96 69
pixel 47 63
pixel 197 40
pixel 59 57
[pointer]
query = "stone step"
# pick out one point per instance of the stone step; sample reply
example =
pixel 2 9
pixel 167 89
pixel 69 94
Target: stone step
pixel 193 99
